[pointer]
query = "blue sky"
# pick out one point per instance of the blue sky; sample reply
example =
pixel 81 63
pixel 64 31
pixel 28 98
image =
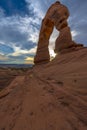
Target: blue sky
pixel 20 22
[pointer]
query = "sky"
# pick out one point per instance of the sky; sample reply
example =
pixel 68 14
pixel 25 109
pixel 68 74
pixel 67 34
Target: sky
pixel 20 22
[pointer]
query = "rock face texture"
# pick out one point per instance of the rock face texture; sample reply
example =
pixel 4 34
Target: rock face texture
pixel 64 40
pixel 51 96
pixel 56 16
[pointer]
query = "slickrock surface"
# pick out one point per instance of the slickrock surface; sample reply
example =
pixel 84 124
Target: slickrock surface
pixel 52 96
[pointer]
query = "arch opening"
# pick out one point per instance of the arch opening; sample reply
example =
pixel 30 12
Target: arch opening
pixel 52 40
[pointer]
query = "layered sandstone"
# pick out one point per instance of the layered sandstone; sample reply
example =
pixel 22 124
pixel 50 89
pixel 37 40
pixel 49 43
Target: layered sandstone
pixel 56 16
pixel 52 96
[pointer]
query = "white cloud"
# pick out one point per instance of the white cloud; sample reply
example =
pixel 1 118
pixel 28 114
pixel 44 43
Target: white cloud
pixel 34 37
pixel 52 53
pixel 3 57
pixel 53 38
pixel 2 54
pixel 21 33
pixel 32 51
pixel 74 33
pixel 29 60
pixel 18 51
pixel 1 42
pixel 37 7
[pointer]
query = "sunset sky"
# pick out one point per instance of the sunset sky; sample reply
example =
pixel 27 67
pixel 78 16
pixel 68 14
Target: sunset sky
pixel 20 22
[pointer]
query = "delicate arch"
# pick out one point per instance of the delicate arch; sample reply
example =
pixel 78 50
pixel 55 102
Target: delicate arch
pixel 57 16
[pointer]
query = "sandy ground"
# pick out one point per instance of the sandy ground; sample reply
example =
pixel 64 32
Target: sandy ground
pixel 48 97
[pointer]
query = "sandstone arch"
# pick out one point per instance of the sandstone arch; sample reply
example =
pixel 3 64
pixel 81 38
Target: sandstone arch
pixel 57 16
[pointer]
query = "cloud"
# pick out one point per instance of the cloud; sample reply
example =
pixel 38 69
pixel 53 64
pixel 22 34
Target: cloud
pixel 1 12
pixel 5 49
pixel 20 23
pixel 74 33
pixel 37 8
pixel 19 36
pixel 18 30
pixel 18 51
pixel 29 60
pixel 3 57
pixel 16 7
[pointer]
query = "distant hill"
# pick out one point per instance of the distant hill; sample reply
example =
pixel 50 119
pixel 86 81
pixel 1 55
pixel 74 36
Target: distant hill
pixel 16 65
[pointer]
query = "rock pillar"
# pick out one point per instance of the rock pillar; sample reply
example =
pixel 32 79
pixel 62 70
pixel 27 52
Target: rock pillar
pixel 64 40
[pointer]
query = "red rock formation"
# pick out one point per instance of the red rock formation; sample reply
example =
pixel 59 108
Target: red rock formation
pixel 42 55
pixel 56 16
pixel 48 97
pixel 64 40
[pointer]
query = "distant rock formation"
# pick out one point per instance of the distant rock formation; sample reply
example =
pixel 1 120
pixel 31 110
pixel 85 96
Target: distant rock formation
pixel 57 16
